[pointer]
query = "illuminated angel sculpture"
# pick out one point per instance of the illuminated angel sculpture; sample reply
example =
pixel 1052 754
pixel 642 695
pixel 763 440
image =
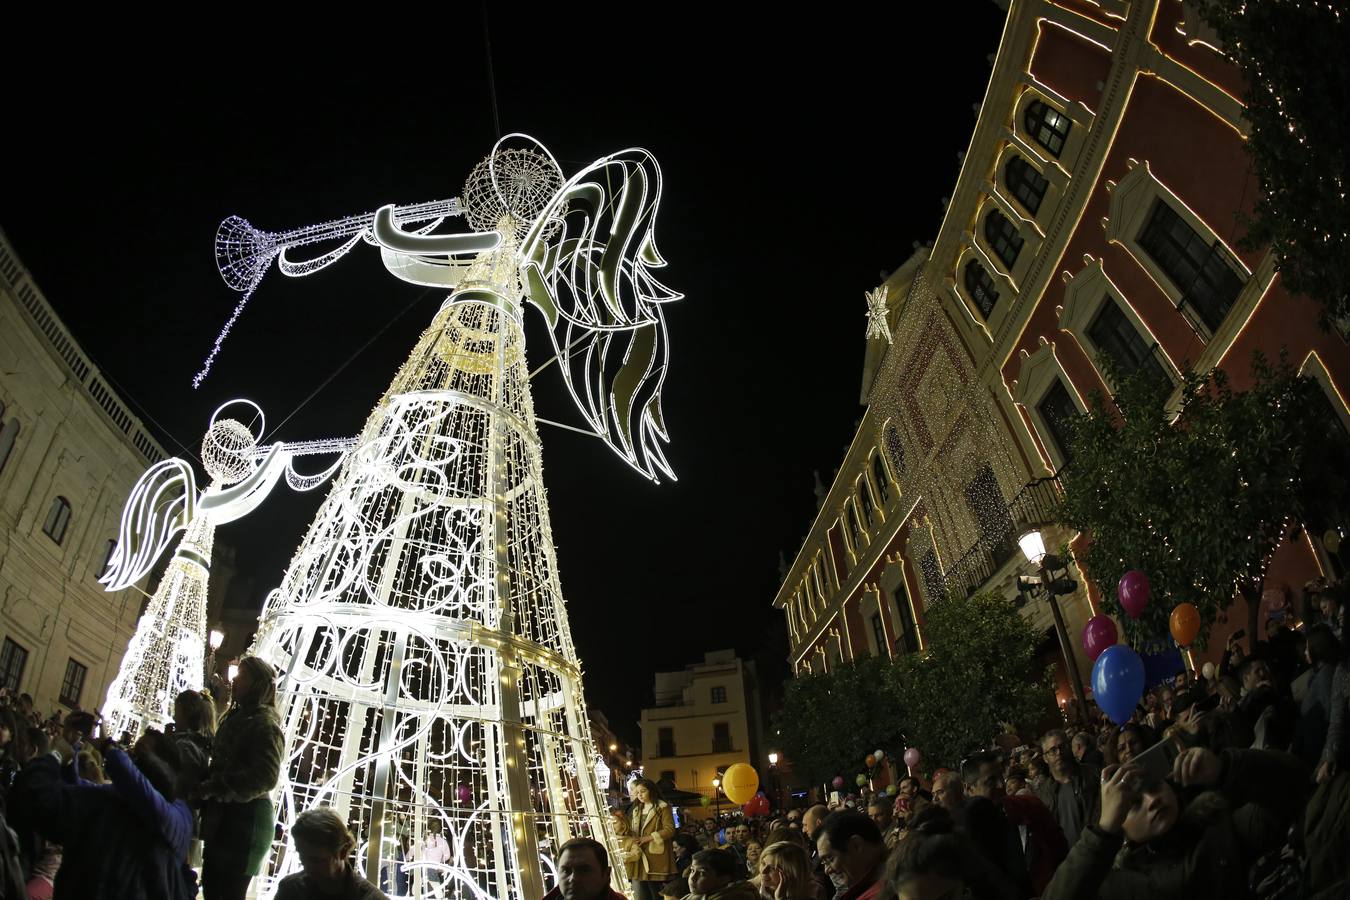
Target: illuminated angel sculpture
pixel 166 654
pixel 428 678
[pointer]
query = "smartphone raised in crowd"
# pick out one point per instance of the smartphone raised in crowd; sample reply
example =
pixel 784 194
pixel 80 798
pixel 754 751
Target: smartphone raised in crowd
pixel 1156 762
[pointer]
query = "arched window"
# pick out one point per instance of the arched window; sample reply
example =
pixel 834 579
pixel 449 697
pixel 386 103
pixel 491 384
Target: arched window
pixel 865 501
pixel 854 531
pixel 980 287
pixel 108 551
pixel 58 518
pixel 1025 183
pixel 1047 127
pixel 9 432
pixel 880 480
pixel 1002 237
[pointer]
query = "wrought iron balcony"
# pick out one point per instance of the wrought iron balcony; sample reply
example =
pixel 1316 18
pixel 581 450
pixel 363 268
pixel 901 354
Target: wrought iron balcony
pixel 1034 505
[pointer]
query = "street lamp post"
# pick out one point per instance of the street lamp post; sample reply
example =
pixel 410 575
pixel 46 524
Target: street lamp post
pixel 777 788
pixel 1033 548
pixel 717 800
pixel 213 640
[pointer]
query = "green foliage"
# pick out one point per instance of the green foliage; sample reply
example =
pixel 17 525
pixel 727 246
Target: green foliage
pixel 1199 502
pixel 830 721
pixel 1292 56
pixel 978 674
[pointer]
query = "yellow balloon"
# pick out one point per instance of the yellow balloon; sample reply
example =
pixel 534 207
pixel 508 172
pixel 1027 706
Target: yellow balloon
pixel 740 783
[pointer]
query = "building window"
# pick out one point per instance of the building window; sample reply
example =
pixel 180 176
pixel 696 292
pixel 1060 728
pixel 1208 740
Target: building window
pixel 908 640
pixel 933 582
pixel 1115 335
pixel 990 509
pixel 865 501
pixel 73 683
pixel 815 578
pixel 13 658
pixel 719 694
pixel 1208 284
pixel 895 449
pixel 109 548
pixel 9 433
pixel 1057 410
pixel 854 531
pixel 665 740
pixel 980 287
pixel 879 632
pixel 1047 127
pixel 667 775
pixel 58 518
pixel 721 737
pixel 1003 238
pixel 880 480
pixel 1025 183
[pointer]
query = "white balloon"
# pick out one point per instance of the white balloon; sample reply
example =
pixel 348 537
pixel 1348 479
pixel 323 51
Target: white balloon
pixel 880 755
pixel 1207 670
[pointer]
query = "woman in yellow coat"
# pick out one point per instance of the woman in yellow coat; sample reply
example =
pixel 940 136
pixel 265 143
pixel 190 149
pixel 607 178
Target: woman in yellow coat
pixel 653 827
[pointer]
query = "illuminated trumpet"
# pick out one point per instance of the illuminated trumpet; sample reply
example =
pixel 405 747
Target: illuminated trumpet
pixel 244 253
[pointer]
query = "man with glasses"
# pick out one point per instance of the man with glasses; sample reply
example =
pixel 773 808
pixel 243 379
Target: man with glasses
pixel 1072 793
pixel 1038 835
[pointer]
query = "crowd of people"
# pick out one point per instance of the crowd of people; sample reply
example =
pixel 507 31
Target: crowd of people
pixel 1229 783
pixel 86 815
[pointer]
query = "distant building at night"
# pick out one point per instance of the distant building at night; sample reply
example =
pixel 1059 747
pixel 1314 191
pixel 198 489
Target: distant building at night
pixel 706 718
pixel 1097 213
pixel 70 451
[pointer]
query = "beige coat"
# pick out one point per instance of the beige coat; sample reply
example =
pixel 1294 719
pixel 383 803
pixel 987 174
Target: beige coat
pixel 647 820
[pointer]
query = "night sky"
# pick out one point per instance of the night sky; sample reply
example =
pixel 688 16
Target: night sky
pixel 800 159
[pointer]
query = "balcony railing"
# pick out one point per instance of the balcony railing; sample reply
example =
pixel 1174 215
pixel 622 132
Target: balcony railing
pixel 1033 506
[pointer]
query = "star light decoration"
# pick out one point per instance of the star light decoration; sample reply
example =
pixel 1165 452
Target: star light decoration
pixel 877 327
pixel 428 672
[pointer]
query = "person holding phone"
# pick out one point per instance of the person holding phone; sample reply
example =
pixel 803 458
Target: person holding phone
pixel 1193 833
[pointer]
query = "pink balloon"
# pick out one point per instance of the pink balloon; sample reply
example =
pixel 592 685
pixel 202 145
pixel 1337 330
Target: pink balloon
pixel 1098 634
pixel 838 782
pixel 1133 592
pixel 913 757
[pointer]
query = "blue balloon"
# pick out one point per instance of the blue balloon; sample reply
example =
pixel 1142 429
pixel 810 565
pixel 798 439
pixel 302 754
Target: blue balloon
pixel 1118 682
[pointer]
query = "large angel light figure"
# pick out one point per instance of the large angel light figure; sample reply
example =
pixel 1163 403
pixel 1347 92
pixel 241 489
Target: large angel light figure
pixel 428 677
pixel 166 654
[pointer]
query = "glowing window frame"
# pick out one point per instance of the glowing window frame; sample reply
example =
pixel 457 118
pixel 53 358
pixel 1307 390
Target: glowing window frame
pixel 1084 295
pixel 1035 377
pixel 1132 204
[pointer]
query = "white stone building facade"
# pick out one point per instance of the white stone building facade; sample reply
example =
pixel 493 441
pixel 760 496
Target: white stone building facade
pixel 70 451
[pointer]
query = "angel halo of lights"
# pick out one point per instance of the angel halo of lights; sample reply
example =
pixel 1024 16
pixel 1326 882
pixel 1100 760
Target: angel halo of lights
pixel 429 681
pixel 167 651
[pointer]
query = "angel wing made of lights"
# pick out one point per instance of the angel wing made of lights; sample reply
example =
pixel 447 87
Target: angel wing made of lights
pixel 594 284
pixel 586 261
pixel 165 500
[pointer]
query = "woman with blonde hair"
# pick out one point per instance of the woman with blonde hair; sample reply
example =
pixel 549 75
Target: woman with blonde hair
pixel 237 814
pixel 785 872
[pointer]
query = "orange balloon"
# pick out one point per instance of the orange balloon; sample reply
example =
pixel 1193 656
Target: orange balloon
pixel 1185 623
pixel 870 761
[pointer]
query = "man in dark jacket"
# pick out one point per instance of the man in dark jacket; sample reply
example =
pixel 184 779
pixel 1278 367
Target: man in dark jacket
pixel 1039 840
pixel 1150 842
pixel 583 872
pixel 989 830
pixel 1071 793
pixel 850 846
pixel 324 846
pixel 130 835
